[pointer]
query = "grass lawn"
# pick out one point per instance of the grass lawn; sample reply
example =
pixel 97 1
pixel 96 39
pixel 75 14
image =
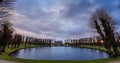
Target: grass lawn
pixel 5 56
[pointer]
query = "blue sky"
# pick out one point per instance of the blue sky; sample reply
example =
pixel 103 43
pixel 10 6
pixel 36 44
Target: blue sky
pixel 59 19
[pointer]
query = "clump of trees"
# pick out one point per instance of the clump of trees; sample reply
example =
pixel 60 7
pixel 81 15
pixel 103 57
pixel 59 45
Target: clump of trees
pixel 104 24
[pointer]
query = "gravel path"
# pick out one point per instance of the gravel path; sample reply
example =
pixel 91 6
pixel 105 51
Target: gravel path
pixel 114 61
pixel 4 61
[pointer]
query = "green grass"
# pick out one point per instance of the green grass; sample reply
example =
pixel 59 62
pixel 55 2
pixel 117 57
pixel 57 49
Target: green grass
pixel 5 56
pixel 101 48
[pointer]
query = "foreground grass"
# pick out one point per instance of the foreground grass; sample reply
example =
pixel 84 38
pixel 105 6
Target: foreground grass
pixel 5 56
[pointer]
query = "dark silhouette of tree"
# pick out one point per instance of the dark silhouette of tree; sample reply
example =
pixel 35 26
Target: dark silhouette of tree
pixel 1 0
pixel 6 35
pixel 12 42
pixel 104 24
pixel 18 40
pixel 26 41
pixel 5 8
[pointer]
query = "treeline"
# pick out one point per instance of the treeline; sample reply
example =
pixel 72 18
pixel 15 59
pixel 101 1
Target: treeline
pixel 91 41
pixel 96 41
pixel 17 40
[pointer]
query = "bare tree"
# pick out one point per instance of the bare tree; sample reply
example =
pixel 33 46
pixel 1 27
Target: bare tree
pixel 6 28
pixel 6 35
pixel 104 24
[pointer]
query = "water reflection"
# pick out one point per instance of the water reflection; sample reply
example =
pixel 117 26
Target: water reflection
pixel 59 53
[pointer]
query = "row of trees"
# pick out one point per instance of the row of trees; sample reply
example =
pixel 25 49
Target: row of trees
pixel 18 39
pixel 10 39
pixel 96 41
pixel 91 41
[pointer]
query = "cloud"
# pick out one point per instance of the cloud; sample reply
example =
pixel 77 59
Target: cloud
pixel 55 19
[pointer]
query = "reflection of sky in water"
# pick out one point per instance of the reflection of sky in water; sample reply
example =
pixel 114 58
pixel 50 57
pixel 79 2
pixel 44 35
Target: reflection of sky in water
pixel 59 53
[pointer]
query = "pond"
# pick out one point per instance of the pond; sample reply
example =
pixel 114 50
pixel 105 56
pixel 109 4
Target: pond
pixel 59 53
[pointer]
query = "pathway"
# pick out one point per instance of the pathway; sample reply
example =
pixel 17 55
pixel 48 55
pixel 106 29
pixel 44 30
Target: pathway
pixel 4 61
pixel 114 61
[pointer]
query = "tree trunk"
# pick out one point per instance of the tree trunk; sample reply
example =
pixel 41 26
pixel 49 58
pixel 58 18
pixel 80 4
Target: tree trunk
pixel 116 50
pixel 109 51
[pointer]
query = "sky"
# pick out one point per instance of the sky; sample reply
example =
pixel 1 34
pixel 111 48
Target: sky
pixel 59 19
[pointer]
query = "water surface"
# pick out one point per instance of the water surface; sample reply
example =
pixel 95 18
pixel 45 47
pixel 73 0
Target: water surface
pixel 59 53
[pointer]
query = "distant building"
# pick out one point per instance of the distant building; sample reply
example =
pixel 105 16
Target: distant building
pixel 58 43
